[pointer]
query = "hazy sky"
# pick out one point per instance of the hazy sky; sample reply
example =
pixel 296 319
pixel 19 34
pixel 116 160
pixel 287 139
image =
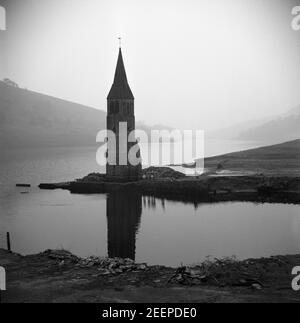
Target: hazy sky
pixel 190 63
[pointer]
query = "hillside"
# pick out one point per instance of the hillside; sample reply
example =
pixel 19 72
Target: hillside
pixel 29 119
pixel 277 159
pixel 234 131
pixel 282 128
pixel 267 131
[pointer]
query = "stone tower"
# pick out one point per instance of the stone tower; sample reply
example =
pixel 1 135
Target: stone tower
pixel 120 109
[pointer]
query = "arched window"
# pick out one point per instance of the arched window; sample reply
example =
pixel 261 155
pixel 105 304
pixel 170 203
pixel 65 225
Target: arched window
pixel 2 18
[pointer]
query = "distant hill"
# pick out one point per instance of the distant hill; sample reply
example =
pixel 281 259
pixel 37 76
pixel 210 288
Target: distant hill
pixel 268 130
pixel 277 159
pixel 282 128
pixel 233 132
pixel 29 119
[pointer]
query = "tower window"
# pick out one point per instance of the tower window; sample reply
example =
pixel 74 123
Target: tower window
pixel 117 108
pixel 114 107
pixel 128 108
pixel 111 108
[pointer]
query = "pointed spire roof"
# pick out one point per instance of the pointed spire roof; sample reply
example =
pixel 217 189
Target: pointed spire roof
pixel 120 88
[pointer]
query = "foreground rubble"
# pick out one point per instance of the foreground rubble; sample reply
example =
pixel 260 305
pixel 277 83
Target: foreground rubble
pixel 59 276
pixel 214 272
pixel 105 266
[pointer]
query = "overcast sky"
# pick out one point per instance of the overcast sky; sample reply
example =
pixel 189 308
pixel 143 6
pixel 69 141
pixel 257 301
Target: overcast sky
pixel 190 63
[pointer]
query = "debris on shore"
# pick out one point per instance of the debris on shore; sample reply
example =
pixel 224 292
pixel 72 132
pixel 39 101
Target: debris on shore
pixel 106 266
pixel 112 266
pixel 60 276
pixel 213 272
pixel 220 272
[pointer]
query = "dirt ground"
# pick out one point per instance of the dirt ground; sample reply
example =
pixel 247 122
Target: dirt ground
pixel 45 278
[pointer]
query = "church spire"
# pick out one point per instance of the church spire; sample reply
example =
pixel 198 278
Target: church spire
pixel 120 88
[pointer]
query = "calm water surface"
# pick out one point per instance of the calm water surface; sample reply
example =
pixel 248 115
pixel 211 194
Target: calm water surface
pixel 129 225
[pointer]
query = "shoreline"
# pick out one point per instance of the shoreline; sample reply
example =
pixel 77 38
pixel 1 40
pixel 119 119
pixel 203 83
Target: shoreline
pixel 203 189
pixel 265 175
pixel 59 276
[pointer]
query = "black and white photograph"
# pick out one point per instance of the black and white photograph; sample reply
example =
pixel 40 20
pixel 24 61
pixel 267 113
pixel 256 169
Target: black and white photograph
pixel 149 154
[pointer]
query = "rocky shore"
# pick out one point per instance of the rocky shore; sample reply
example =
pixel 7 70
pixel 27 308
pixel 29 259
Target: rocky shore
pixel 59 276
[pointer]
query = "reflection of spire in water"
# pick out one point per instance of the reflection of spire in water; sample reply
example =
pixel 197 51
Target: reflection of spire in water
pixel 123 212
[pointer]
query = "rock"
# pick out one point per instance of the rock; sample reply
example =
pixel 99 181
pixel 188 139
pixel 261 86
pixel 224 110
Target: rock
pixel 256 286
pixel 142 267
